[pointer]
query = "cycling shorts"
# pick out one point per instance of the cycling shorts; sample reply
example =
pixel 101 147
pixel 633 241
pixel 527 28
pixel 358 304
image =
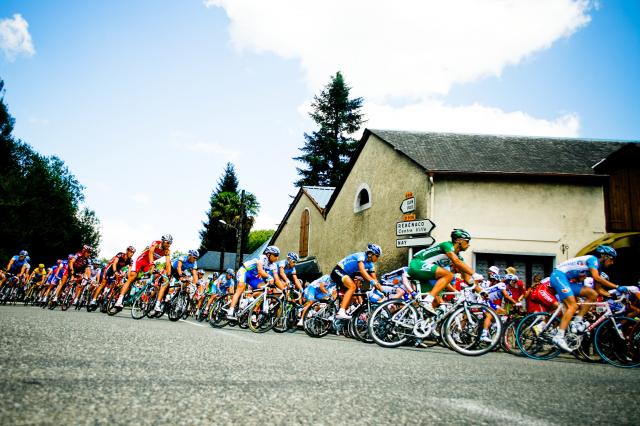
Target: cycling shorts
pixel 560 283
pixel 421 270
pixel 142 264
pixel 313 294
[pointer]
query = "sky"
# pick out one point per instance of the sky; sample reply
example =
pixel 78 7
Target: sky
pixel 147 100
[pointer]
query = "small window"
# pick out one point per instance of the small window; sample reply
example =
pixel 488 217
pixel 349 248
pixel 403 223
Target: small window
pixel 363 198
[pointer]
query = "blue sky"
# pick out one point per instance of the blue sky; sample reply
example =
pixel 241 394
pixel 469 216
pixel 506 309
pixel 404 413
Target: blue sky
pixel 147 100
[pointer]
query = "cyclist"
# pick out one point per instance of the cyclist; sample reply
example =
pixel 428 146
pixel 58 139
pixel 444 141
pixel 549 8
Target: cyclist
pixel 57 272
pixel 18 266
pixel 360 263
pixel 77 266
pixel 320 289
pixel 395 284
pixel 255 273
pixel 539 297
pixel 145 262
pixel 220 287
pixel 434 263
pixel 567 279
pixel 38 275
pixel 115 266
pixel 287 271
pixel 496 293
pixel 186 265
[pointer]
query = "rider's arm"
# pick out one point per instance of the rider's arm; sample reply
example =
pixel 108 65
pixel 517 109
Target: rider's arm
pixel 179 268
pixel 598 279
pixel 459 264
pixel 10 264
pixel 508 297
pixel 167 259
pixel 371 278
pixel 70 266
pixel 296 282
pixel 262 272
pixel 323 288
pixel 283 276
pixel 407 284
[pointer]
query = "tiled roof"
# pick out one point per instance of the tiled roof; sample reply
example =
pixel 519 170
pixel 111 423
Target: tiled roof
pixel 320 194
pixel 468 153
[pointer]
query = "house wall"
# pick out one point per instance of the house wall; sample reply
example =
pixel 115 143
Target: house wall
pixel 508 216
pixel 289 238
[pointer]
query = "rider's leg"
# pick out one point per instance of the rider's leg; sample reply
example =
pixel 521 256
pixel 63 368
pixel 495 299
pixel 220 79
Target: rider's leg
pixel 348 283
pixel 125 287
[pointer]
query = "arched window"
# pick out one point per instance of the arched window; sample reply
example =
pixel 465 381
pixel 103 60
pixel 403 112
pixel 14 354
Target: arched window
pixel 363 198
pixel 304 234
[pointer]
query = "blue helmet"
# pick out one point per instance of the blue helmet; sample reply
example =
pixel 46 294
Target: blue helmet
pixel 272 250
pixel 375 249
pixel 24 253
pixel 201 271
pixel 510 278
pixel 194 253
pixel 293 256
pixel 230 271
pixel 606 251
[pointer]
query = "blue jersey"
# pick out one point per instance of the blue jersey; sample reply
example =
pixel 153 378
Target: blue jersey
pixel 18 264
pixel 326 280
pixel 350 264
pixel 186 265
pixel 222 282
pixel 251 266
pixel 494 291
pixel 394 278
pixel 578 266
pixel 288 271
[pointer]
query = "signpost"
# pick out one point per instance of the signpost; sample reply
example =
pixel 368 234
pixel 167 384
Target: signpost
pixel 414 227
pixel 408 205
pixel 414 242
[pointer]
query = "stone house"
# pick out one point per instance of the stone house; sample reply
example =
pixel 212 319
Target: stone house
pixel 528 202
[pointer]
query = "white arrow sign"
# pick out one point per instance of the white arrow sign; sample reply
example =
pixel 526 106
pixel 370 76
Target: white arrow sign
pixel 414 227
pixel 408 205
pixel 414 242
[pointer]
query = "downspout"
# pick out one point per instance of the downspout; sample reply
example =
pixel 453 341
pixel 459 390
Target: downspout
pixel 432 196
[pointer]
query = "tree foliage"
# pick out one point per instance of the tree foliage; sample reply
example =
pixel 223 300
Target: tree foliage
pixel 257 238
pixel 226 205
pixel 327 151
pixel 40 201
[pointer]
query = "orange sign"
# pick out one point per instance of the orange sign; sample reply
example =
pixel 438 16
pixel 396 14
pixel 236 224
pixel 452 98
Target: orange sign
pixel 408 195
pixel 410 216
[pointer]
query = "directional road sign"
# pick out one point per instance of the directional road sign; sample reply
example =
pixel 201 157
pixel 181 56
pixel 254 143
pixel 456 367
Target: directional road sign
pixel 414 227
pixel 408 205
pixel 414 242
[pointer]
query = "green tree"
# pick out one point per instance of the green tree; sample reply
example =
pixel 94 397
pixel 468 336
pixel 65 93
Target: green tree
pixel 257 238
pixel 40 201
pixel 225 206
pixel 327 151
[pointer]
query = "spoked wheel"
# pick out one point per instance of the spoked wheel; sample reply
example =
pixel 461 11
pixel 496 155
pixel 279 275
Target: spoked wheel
pixel 391 323
pixel 587 350
pixel 508 341
pixel 318 319
pixel 360 324
pixel 463 330
pixel 534 336
pixel 217 314
pixel 66 298
pixel 140 307
pixel 617 341
pixel 177 307
pixel 285 317
pixel 262 321
pixel 112 309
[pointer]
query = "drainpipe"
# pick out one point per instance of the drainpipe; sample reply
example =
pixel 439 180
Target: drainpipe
pixel 432 196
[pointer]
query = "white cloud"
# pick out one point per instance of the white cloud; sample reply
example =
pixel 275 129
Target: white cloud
pixel 410 48
pixel 413 51
pixel 140 197
pixel 439 117
pixel 192 143
pixel 15 38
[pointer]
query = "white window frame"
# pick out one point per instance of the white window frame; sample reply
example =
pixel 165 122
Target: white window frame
pixel 357 208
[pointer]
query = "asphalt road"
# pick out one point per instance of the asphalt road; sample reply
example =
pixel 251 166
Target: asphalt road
pixel 80 368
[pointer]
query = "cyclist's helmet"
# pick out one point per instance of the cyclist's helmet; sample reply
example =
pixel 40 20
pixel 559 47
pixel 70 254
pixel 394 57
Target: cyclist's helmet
pixel 200 271
pixel 272 250
pixel 71 256
pixel 41 266
pixel 88 248
pixel 606 251
pixel 494 276
pixel 375 249
pixel 477 277
pixel 168 238
pixel 230 271
pixel 194 253
pixel 24 253
pixel 132 249
pixel 510 278
pixel 460 233
pixel 293 256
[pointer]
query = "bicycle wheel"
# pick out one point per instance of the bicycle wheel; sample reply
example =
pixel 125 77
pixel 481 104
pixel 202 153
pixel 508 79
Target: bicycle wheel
pixel 177 307
pixel 508 341
pixel 262 321
pixel 534 336
pixel 587 350
pixel 616 341
pixel 67 297
pixel 318 319
pixel 391 323
pixel 282 322
pixel 464 328
pixel 139 308
pixel 360 323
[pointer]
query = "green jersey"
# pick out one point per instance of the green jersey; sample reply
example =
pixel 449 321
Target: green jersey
pixel 436 255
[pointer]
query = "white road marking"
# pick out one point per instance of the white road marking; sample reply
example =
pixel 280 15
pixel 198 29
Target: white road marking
pixel 192 323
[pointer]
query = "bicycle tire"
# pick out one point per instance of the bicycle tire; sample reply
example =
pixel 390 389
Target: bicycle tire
pixel 532 345
pixel 618 352
pixel 282 322
pixel 464 328
pixel 139 307
pixel 217 314
pixel 508 341
pixel 261 322
pixel 67 298
pixel 318 320
pixel 360 324
pixel 390 334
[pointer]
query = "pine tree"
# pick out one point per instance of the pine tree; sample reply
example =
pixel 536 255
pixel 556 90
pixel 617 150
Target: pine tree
pixel 327 151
